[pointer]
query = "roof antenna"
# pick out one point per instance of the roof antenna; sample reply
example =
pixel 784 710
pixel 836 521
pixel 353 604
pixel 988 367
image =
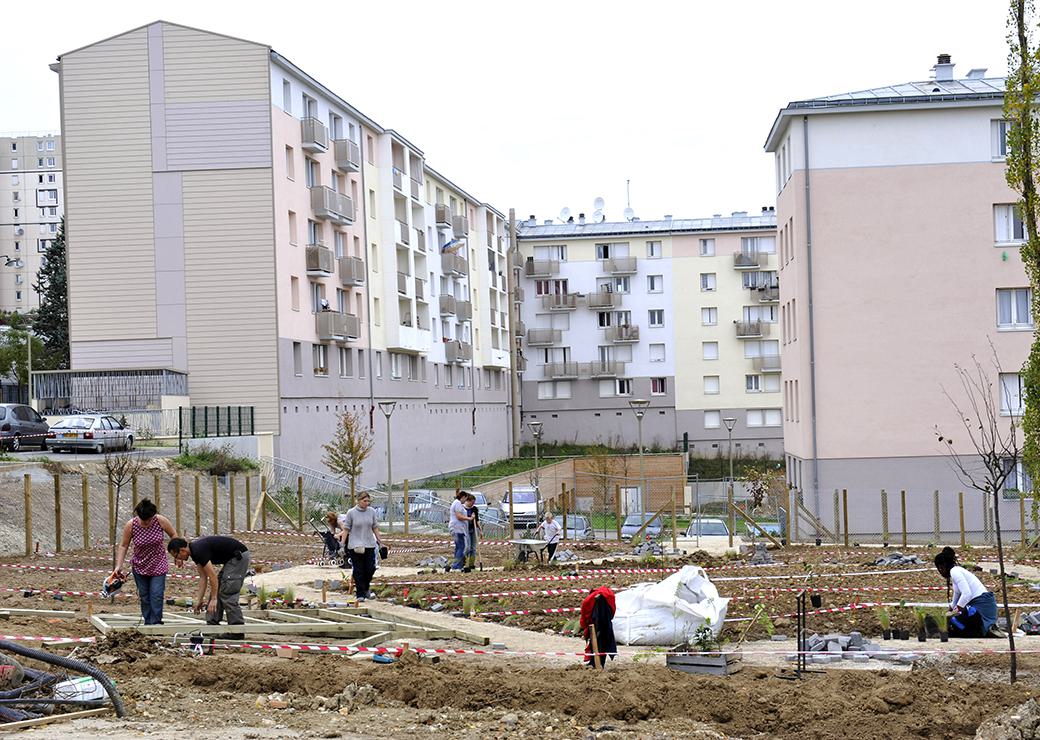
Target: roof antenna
pixel 629 213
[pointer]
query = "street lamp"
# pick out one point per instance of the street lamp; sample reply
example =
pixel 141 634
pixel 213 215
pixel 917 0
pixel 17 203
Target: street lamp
pixel 730 422
pixel 387 407
pixel 536 432
pixel 639 406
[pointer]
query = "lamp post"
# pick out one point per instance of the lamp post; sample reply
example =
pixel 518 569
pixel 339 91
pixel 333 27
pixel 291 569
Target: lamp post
pixel 387 407
pixel 730 422
pixel 639 406
pixel 536 432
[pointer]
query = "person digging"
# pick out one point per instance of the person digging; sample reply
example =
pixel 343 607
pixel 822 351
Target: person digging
pixel 223 588
pixel 973 608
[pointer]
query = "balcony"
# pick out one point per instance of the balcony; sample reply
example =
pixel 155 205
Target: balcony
pixel 314 136
pixel 490 240
pixel 348 155
pixel 620 265
pixel 521 364
pixel 398 180
pixel 403 232
pixel 336 327
pixel 561 370
pixel 420 289
pixel 320 260
pixel 443 215
pixel 460 225
pixel 420 240
pixel 747 260
pixel 766 293
pixel 562 302
pixel 402 283
pixel 543 337
pixel 518 294
pixel 751 329
pixel 766 364
pixel 456 351
pixel 603 299
pixel 519 327
pixel 541 268
pixel 463 310
pixel 416 186
pixel 329 205
pixel 351 270
pixel 622 334
pixel 609 369
pixel 453 263
pixel 447 304
pixel 517 259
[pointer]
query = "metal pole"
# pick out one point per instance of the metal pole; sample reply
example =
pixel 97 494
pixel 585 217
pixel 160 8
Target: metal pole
pixel 697 503
pixel 537 475
pixel 389 482
pixel 642 467
pixel 514 317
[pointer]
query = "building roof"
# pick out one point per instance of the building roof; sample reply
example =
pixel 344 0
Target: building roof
pixel 927 93
pixel 629 228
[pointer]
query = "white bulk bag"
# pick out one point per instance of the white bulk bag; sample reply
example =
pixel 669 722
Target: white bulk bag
pixel 670 611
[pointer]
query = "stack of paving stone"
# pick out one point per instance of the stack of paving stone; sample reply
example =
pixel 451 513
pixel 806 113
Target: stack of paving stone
pixel 836 647
pixel 648 548
pixel 898 558
pixel 761 556
pixel 437 562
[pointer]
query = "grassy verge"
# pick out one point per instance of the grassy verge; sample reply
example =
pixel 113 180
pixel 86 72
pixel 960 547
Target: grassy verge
pixel 474 478
pixel 214 461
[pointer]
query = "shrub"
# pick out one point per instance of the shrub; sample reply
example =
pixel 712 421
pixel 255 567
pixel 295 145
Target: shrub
pixel 214 460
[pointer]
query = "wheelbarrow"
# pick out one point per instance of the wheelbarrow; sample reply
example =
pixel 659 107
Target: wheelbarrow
pixel 525 548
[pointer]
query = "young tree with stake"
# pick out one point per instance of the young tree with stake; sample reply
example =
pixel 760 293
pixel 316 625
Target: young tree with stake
pixel 350 447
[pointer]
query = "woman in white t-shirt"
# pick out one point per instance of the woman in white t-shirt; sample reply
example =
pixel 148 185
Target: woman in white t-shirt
pixel 973 608
pixel 551 531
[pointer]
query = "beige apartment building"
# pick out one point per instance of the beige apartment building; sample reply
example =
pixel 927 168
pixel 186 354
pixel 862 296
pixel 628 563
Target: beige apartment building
pixel 898 258
pixel 280 250
pixel 31 207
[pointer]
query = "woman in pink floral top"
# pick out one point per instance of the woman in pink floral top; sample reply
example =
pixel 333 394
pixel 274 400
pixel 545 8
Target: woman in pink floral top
pixel 148 531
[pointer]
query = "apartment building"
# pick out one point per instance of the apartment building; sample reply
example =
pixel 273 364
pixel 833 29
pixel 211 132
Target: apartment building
pixel 681 312
pixel 898 258
pixel 31 207
pixel 281 250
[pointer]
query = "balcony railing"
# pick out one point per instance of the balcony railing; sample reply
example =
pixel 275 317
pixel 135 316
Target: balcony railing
pixel 416 186
pixel 463 310
pixel 561 302
pixel 460 225
pixel 603 299
pixel 620 265
pixel 351 270
pixel 541 268
pixel 313 134
pixel 610 369
pixel 767 293
pixel 767 364
pixel 420 240
pixel 328 204
pixel 543 337
pixel 337 327
pixel 420 289
pixel 320 260
pixel 746 260
pixel 518 294
pixel 456 351
pixel 521 364
pixel 443 215
pixel 558 370
pixel 348 155
pixel 402 283
pixel 517 259
pixel 622 333
pixel 403 232
pixel 447 304
pixel 519 327
pixel 398 180
pixel 453 263
pixel 751 329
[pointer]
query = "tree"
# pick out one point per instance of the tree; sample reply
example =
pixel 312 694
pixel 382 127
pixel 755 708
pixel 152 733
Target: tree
pixel 350 446
pixel 51 323
pixel 14 361
pixel 120 468
pixel 996 455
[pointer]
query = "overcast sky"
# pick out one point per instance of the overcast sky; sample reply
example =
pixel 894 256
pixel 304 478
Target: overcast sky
pixel 538 105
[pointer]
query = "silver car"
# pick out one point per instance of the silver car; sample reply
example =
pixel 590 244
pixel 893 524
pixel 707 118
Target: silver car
pixel 89 432
pixel 21 426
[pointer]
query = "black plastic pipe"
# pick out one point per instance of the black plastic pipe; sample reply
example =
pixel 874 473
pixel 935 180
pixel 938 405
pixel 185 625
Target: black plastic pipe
pixel 72 665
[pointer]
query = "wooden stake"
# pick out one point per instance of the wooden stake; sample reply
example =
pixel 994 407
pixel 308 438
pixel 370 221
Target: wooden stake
pixel 57 513
pixel 177 504
pixel 249 505
pixel 84 483
pixel 198 507
pixel 156 491
pixel 263 502
pixel 597 659
pixel 27 503
pixel 216 505
pixel 112 512
pixel 960 507
pixel 406 506
pixel 674 523
pixel 752 523
pixel 324 592
pixel 787 520
pixel 299 503
pixel 617 510
pixel 563 503
pixel 133 490
pixel 231 503
pixel 512 523
pixel 902 509
pixel 1022 515
pixel 845 514
pixel 353 490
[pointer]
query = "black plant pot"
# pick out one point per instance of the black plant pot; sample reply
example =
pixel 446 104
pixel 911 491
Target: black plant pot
pixel 904 634
pixel 818 542
pixel 887 634
pixel 922 636
pixel 817 601
pixel 944 637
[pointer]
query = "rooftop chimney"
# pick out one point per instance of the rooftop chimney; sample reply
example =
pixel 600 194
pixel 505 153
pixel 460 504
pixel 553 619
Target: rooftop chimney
pixel 570 219
pixel 547 222
pixel 581 219
pixel 532 221
pixel 943 68
pixel 979 73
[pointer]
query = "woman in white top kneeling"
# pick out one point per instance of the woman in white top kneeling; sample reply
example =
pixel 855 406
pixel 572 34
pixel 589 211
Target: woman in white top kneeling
pixel 973 609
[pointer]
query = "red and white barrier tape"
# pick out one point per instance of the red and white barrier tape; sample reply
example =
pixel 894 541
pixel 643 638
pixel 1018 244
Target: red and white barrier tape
pixel 38 638
pixel 35 591
pixel 500 594
pixel 803 576
pixel 515 612
pixel 26 566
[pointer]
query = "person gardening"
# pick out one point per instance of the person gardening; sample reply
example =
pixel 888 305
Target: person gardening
pixel 362 527
pixel 973 609
pixel 472 533
pixel 223 588
pixel 458 526
pixel 551 531
pixel 147 532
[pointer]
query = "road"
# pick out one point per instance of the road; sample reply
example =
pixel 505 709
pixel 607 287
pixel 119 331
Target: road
pixel 77 457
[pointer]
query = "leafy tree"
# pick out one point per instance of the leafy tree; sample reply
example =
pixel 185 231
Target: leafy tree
pixel 14 361
pixel 350 447
pixel 51 323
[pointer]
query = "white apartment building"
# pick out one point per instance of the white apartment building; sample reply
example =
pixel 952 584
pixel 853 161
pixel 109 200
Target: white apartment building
pixel 283 251
pixel 31 208
pixel 681 312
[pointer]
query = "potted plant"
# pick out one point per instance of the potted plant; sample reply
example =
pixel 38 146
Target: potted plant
pixel 702 653
pixel 886 622
pixel 939 615
pixel 921 617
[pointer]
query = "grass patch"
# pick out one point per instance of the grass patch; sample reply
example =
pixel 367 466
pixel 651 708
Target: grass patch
pixel 472 479
pixel 717 467
pixel 214 460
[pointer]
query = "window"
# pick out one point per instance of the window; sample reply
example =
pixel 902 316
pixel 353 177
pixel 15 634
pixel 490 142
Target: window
pixel 707 247
pixel 656 317
pixel 758 244
pixel 1013 308
pixel 50 146
pixel 658 386
pixel 297 358
pixel 14 148
pixel 653 250
pixel 710 350
pixel 313 172
pixel 361 363
pixel 624 386
pixel 1012 395
pixel 709 316
pixel 14 164
pixel 287 97
pixel 39 146
pixel 293 229
pixel 654 283
pixel 317 296
pixel 377 315
pixel 656 353
pixel 51 178
pixel 712 419
pixel 603 318
pixel 314 233
pixel 310 106
pixel 1018 480
pixel 711 384
pixel 622 285
pixel 753 383
pixel 294 292
pixel 551 252
pixel 707 281
pixel 554 389
pixel 395 366
pixel 346 362
pixel 290 163
pixel 321 359
pixel 1008 224
pixel 764 417
pixel 770 383
pixel 379 364
pixel 602 251
pixel 999 139
pixel 51 161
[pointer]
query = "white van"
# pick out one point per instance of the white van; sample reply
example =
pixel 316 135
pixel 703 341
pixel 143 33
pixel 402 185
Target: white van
pixel 527 506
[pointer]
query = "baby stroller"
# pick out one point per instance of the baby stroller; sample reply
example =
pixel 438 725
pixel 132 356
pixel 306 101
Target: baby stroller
pixel 330 553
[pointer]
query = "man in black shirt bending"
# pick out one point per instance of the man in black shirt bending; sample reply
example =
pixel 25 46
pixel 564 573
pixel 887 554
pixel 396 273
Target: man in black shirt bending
pixel 206 552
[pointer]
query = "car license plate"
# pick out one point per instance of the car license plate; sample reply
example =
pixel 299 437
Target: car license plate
pixel 70 435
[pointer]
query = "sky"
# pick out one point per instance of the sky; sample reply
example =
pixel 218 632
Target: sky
pixel 543 105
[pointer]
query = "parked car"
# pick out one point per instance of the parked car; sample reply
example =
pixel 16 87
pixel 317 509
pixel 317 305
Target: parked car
pixel 527 506
pixel 710 534
pixel 481 503
pixel 578 527
pixel 89 432
pixel 633 522
pixel 703 527
pixel 21 426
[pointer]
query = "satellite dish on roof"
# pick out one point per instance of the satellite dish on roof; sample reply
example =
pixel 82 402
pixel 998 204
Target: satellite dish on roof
pixel 598 204
pixel 565 213
pixel 597 215
pixel 629 214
